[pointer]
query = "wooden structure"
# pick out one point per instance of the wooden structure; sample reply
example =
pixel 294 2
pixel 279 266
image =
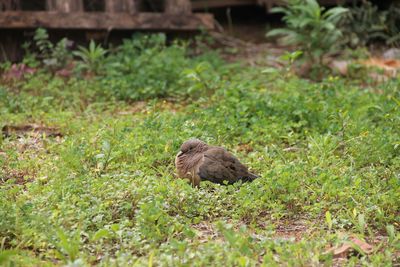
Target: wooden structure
pixel 206 4
pixel 119 14
pixel 115 14
pixel 19 17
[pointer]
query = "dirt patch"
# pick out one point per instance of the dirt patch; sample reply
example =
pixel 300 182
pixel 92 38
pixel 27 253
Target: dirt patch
pixel 206 231
pixel 233 49
pixel 143 107
pixel 171 106
pixel 30 129
pixel 26 147
pixel 287 230
pixel 246 148
pixel 23 143
pixel 20 177
pixel 33 143
pixel 28 137
pixel 295 230
pixel 137 107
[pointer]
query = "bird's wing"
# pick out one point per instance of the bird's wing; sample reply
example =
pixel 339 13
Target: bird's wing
pixel 219 165
pixel 187 167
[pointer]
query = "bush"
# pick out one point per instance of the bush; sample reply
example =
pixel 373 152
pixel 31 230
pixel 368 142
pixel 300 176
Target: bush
pixel 366 24
pixel 92 58
pixel 142 67
pixel 312 28
pixel 145 67
pixel 51 56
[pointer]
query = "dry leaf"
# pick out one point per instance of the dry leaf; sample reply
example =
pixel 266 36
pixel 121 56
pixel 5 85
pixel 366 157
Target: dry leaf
pixel 342 251
pixel 390 67
pixel 353 244
pixel 364 246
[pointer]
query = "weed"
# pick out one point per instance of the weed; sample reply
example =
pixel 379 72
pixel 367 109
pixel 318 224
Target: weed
pixel 92 58
pixel 53 57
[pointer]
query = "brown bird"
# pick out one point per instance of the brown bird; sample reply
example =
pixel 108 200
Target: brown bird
pixel 198 161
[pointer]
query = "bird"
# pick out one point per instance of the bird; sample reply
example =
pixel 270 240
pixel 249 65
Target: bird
pixel 198 161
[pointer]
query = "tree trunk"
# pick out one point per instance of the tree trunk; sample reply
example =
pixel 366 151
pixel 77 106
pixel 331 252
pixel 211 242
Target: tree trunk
pixel 178 6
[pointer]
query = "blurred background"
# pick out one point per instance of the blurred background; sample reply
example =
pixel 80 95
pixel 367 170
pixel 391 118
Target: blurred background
pixel 108 21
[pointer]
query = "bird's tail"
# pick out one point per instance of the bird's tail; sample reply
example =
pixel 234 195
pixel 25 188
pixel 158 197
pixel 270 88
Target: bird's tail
pixel 250 177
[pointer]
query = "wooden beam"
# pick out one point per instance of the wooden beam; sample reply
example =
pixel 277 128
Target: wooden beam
pixel 131 6
pixel 204 4
pixel 104 20
pixel 115 6
pixel 178 7
pixel 65 5
pixel 9 5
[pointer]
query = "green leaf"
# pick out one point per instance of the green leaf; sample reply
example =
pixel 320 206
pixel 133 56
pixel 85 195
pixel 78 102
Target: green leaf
pixel 391 232
pixel 102 233
pixel 361 222
pixel 328 218
pixel 333 15
pixel 106 146
pixel 5 256
pixel 279 10
pixel 115 227
pixel 150 262
pixel 100 156
pixel 277 32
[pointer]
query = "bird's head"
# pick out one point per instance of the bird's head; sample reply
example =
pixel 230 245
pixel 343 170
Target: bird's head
pixel 192 146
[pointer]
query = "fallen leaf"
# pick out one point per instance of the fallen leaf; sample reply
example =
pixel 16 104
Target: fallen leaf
pixel 390 67
pixel 364 246
pixel 353 244
pixel 342 251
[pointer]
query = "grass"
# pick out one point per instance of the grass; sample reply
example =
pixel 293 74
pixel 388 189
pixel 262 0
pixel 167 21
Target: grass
pixel 105 193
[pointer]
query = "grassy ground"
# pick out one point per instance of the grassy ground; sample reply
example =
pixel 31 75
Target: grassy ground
pixel 105 193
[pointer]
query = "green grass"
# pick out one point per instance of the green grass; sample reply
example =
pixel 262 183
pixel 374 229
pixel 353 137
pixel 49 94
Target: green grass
pixel 105 193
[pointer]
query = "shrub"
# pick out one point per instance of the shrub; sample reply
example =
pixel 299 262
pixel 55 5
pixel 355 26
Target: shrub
pixel 144 67
pixel 365 24
pixel 51 56
pixel 92 58
pixel 312 28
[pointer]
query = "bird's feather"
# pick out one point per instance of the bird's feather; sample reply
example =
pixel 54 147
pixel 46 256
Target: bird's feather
pixel 210 163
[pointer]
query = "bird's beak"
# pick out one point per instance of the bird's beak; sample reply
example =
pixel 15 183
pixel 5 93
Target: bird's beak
pixel 180 153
